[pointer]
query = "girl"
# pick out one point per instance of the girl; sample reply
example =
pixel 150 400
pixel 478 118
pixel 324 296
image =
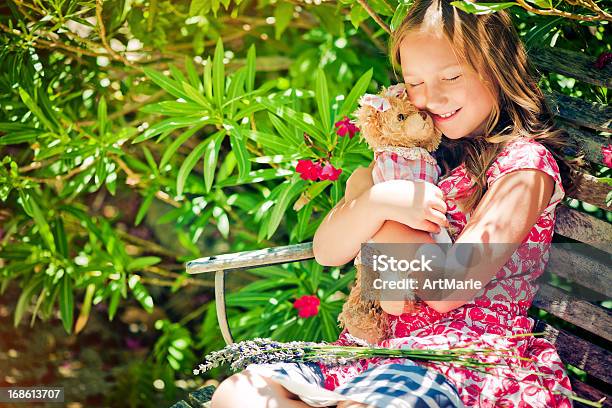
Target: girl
pixel 504 176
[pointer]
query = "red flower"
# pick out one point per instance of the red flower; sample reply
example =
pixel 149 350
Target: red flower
pixel 313 171
pixel 329 172
pixel 344 126
pixel 606 152
pixel 308 170
pixel 307 306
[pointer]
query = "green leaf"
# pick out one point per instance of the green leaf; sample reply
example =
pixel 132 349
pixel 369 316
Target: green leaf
pixel 171 124
pixel 172 87
pixel 481 8
pixel 330 328
pixel 256 176
pixel 141 293
pixel 60 236
pixel 301 120
pixel 146 203
pixel 102 118
pixel 400 13
pixel 19 137
pixel 33 210
pixel 139 264
pixel 358 15
pixel 322 96
pixel 356 92
pixel 170 150
pixel 218 74
pixel 29 102
pixel 66 301
pixel 188 165
pixel 288 192
pixel 210 158
pixel 288 135
pixel 115 289
pixel 25 297
pixel 235 91
pixel 283 13
pixel 192 73
pixel 250 71
pixel 238 144
pixel 207 79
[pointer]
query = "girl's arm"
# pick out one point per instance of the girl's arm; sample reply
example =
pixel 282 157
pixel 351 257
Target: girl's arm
pixel 338 239
pixel 505 214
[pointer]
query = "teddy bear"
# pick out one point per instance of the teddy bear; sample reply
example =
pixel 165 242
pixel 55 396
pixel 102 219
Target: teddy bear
pixel 401 138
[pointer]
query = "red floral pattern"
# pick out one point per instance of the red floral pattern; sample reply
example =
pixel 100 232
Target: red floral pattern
pixel 500 309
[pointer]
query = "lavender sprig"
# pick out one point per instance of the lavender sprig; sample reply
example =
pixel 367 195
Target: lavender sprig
pixel 262 351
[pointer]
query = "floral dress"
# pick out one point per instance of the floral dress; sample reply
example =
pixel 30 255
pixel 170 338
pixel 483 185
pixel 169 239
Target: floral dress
pixel 500 308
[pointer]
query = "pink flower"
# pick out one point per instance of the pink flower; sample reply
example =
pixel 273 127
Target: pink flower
pixel 308 170
pixel 606 152
pixel 307 306
pixel 329 172
pixel 344 126
pixel 313 171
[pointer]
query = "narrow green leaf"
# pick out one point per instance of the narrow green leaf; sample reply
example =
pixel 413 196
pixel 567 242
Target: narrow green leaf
pixel 210 158
pixel 115 289
pixel 400 13
pixel 102 118
pixel 283 13
pixel 141 293
pixel 218 73
pixel 256 176
pixel 250 72
pixel 25 298
pixel 207 79
pixel 172 87
pixel 144 207
pixel 33 210
pixel 188 165
pixel 60 236
pixel 140 263
pixel 481 8
pixel 170 150
pixel 289 191
pixel 29 102
pixel 322 96
pixel 303 121
pixel 238 144
pixel 171 124
pixel 66 301
pixel 192 74
pixel 19 137
pixel 357 91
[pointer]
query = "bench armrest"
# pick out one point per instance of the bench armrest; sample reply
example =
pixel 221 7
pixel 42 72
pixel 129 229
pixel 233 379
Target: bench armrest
pixel 253 258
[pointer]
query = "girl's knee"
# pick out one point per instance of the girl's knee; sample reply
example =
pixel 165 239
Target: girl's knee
pixel 249 387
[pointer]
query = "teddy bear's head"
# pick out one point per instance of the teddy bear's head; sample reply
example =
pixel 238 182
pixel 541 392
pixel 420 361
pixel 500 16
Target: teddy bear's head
pixel 390 119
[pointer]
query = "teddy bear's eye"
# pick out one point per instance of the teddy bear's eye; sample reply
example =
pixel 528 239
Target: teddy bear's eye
pixel 401 117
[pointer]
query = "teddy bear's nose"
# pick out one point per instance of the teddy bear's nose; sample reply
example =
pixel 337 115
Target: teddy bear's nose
pixel 423 115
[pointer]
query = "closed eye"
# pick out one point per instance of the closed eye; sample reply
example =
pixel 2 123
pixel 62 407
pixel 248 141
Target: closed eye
pixel 453 79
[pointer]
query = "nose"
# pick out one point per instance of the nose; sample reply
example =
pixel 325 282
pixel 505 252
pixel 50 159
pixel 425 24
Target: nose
pixel 423 114
pixel 432 98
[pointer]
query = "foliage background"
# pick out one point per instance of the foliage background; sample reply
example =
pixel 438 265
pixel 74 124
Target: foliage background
pixel 136 135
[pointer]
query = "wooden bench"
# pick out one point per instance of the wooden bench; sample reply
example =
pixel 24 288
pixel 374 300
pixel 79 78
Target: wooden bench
pixel 587 346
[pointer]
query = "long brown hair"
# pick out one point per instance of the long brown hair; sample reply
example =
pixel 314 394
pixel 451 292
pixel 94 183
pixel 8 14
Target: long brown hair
pixel 491 46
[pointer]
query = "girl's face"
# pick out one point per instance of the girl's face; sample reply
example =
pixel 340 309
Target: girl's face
pixel 439 84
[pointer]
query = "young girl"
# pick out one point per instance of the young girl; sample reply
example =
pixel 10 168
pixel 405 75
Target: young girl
pixel 503 180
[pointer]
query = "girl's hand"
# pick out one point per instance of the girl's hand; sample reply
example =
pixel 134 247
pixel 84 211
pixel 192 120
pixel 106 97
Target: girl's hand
pixel 415 203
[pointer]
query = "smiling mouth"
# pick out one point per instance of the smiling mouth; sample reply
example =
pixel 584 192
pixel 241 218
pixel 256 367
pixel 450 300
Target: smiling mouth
pixel 446 116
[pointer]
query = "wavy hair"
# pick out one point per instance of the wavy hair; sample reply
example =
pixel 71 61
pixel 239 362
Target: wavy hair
pixel 491 46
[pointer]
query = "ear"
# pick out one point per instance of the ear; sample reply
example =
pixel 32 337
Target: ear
pixel 369 122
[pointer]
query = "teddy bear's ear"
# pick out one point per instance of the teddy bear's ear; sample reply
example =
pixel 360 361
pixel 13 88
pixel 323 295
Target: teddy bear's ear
pixel 397 90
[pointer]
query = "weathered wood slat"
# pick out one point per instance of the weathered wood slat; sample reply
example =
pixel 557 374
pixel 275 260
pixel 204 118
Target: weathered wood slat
pixel 586 141
pixel 590 393
pixel 593 191
pixel 589 272
pixel 592 115
pixel 571 64
pixel 584 228
pixel 249 259
pixel 573 310
pixel 578 352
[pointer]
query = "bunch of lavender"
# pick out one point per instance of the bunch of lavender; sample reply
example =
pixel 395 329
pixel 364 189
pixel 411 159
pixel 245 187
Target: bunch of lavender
pixel 262 351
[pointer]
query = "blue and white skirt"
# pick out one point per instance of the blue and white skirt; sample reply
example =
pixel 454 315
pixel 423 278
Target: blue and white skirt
pixel 405 385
